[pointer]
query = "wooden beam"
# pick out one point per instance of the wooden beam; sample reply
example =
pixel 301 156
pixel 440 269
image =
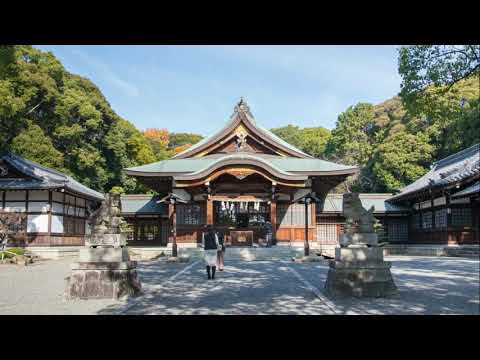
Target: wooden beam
pixel 273 219
pixel 209 211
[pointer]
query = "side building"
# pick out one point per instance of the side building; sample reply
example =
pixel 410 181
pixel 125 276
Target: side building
pixel 445 202
pixel 56 206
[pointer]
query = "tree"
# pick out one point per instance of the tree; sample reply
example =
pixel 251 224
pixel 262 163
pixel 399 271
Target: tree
pixel 352 140
pixel 178 139
pixel 314 140
pixel 34 145
pixel 400 160
pixel 441 86
pixel 159 140
pixel 43 106
pixel 289 133
pixel 437 66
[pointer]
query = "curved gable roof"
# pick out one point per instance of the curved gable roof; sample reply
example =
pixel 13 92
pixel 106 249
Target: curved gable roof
pixel 243 115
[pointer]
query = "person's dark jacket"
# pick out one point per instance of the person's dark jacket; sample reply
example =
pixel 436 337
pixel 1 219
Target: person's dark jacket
pixel 210 243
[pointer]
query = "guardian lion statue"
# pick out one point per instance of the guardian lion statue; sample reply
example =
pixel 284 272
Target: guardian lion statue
pixel 107 218
pixel 357 219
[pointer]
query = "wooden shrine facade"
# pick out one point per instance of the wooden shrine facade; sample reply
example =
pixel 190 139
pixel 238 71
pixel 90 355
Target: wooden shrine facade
pixel 244 181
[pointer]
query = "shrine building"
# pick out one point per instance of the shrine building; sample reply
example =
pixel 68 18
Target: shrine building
pixel 240 180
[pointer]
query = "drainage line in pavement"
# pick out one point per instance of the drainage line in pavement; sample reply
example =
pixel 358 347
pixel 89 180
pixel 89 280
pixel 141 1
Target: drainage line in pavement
pixel 313 289
pixel 173 277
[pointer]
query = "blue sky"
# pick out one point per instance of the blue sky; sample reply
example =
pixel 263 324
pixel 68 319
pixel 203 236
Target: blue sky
pixel 194 88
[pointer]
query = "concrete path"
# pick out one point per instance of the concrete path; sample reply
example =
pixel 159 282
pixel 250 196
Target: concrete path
pixel 427 285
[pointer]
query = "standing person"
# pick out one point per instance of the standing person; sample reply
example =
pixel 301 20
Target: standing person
pixel 210 246
pixel 268 233
pixel 220 251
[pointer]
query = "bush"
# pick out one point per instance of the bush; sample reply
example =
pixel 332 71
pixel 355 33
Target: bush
pixel 9 254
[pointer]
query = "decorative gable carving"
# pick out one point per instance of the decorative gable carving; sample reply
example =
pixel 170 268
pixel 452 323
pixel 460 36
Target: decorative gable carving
pixel 245 135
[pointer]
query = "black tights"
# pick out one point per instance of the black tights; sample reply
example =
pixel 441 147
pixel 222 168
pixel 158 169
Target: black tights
pixel 213 272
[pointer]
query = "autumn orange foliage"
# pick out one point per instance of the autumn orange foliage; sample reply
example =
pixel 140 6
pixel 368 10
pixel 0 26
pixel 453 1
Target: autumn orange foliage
pixel 181 148
pixel 159 135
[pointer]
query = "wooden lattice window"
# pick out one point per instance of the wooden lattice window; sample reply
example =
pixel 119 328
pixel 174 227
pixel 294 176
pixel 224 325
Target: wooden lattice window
pixel 292 214
pixel 461 216
pixel 427 220
pixel 441 218
pixel 190 214
pixel 398 232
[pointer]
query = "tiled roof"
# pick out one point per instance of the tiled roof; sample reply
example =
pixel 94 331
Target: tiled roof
pixel 470 190
pixel 454 168
pixel 41 177
pixel 334 203
pixel 142 205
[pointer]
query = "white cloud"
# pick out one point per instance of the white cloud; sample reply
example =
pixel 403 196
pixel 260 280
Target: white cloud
pixel 105 71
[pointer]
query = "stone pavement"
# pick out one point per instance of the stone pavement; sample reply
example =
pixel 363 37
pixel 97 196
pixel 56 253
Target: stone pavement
pixel 427 285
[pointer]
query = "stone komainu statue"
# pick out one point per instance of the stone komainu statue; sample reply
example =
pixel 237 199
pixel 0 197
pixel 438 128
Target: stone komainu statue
pixel 357 219
pixel 107 218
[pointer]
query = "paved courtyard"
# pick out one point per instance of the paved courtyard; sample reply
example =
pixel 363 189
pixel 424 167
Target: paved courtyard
pixel 427 285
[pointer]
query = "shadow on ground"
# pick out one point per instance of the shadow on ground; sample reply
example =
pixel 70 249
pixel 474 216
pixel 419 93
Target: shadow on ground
pixel 426 285
pixel 259 287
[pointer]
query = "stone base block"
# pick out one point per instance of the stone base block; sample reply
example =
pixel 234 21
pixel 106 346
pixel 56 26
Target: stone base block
pixel 103 254
pixel 360 279
pixel 103 280
pixel 359 254
pixel 115 240
pixel 370 239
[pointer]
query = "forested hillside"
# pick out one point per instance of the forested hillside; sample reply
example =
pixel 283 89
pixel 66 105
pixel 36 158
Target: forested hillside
pixel 62 120
pixel 436 114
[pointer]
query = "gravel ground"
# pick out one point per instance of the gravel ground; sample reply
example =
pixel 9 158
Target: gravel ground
pixel 427 285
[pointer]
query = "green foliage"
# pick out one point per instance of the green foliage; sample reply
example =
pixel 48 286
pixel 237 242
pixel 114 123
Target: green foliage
pixel 179 139
pixel 434 67
pixel 34 145
pixel 10 253
pixel 117 190
pixel 63 121
pixel 353 137
pixel 311 140
pixel 289 133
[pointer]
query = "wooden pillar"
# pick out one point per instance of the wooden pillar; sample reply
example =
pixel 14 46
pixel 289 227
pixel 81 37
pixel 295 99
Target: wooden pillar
pixel 273 220
pixel 449 217
pixel 50 204
pixel 306 245
pixel 433 229
pixel 313 209
pixel 209 211
pixel 172 215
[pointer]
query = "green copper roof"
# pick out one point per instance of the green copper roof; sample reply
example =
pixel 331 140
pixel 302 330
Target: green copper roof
pixel 285 164
pixel 142 205
pixel 334 203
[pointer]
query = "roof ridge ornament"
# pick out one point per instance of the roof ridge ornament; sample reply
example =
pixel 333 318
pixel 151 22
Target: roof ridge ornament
pixel 242 106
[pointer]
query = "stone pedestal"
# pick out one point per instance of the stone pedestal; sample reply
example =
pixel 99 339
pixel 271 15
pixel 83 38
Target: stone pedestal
pixel 103 272
pixel 103 280
pixel 359 271
pixel 370 239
